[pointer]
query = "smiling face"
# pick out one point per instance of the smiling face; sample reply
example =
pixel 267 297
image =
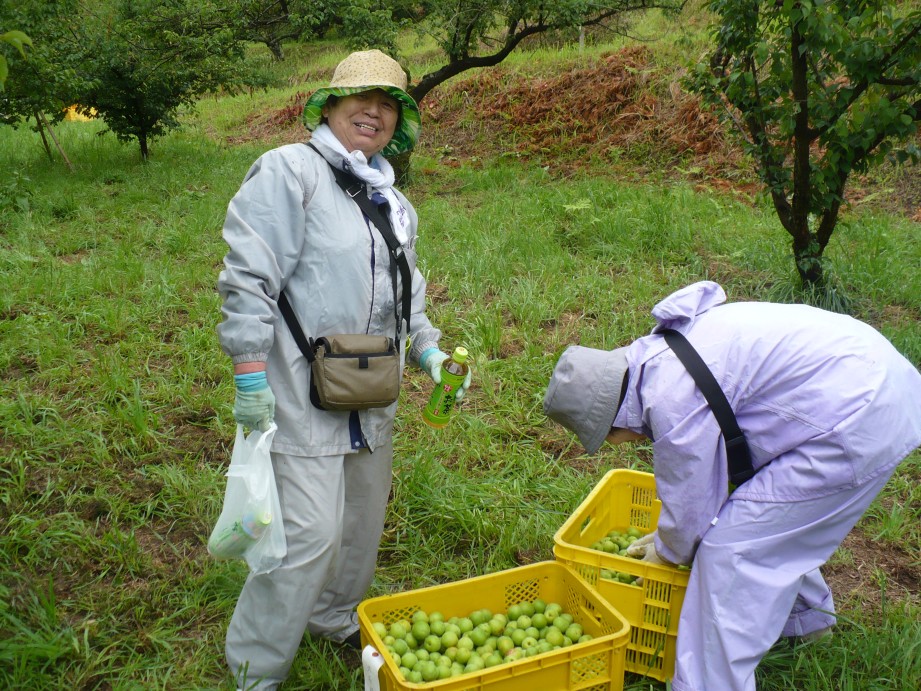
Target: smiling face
pixel 364 121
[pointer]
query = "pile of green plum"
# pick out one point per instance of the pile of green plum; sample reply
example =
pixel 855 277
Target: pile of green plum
pixel 428 647
pixel 617 542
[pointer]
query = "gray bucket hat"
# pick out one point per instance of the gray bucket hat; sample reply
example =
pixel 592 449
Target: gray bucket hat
pixel 585 392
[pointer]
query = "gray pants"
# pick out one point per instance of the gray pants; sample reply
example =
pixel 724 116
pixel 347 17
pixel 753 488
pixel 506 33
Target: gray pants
pixel 333 509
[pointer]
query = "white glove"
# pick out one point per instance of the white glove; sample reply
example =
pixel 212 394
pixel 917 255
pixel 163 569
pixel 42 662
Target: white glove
pixel 652 557
pixel 638 547
pixel 645 548
pixel 430 363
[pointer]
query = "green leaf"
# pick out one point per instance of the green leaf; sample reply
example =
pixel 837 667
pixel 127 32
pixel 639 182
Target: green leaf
pixel 18 40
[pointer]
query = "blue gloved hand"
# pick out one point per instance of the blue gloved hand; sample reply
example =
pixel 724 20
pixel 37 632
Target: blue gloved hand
pixel 254 405
pixel 431 360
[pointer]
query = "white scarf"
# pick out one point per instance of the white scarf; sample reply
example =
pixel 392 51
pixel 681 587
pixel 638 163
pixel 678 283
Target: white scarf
pixel 378 174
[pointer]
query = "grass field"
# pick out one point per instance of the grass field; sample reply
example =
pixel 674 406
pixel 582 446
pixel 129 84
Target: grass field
pixel 115 420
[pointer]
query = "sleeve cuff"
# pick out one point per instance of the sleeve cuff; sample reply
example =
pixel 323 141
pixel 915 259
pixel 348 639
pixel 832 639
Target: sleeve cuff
pixel 418 349
pixel 249 357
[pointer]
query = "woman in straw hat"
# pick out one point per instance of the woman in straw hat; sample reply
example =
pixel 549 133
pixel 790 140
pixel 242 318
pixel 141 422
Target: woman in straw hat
pixel 291 227
pixel 828 408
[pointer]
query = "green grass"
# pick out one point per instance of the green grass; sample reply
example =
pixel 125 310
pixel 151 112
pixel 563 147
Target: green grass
pixel 115 398
pixel 864 654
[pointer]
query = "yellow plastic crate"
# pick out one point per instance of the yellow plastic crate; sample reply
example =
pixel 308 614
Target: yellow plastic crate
pixel 624 499
pixel 596 665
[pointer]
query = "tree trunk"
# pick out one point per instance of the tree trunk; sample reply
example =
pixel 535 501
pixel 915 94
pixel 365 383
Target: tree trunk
pixel 802 182
pixel 47 126
pixel 275 48
pixel 41 131
pixel 401 167
pixel 807 253
pixel 142 140
pixel 807 250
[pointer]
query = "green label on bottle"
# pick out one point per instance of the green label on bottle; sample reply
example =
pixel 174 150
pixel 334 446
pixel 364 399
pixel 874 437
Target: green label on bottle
pixel 234 540
pixel 441 403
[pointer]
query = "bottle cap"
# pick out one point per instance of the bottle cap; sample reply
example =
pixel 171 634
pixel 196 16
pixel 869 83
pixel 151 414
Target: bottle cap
pixel 460 355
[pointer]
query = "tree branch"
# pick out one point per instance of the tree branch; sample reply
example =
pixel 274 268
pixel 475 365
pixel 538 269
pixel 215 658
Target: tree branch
pixel 905 81
pixel 861 87
pixel 460 59
pixel 455 67
pixel 906 40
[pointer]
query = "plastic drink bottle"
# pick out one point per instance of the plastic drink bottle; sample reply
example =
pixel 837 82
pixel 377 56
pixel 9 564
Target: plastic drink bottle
pixel 453 372
pixel 239 535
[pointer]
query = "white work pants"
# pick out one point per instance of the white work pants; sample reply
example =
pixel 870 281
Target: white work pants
pixel 755 578
pixel 333 509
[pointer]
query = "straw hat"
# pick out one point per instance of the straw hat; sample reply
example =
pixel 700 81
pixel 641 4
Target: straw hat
pixel 585 391
pixel 363 71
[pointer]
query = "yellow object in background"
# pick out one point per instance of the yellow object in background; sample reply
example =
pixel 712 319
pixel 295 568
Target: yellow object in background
pixel 72 115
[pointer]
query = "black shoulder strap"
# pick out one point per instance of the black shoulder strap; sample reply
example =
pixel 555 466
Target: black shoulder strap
pixel 305 346
pixel 740 464
pixel 357 191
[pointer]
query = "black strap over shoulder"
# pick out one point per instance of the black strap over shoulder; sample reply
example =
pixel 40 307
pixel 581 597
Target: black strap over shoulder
pixel 303 344
pixel 737 451
pixel 357 192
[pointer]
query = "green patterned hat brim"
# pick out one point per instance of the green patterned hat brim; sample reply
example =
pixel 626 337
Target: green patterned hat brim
pixel 407 132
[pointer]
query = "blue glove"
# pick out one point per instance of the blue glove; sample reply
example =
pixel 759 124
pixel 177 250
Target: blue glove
pixel 430 362
pixel 254 406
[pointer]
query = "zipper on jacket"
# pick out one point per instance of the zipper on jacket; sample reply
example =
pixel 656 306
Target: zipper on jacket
pixel 373 267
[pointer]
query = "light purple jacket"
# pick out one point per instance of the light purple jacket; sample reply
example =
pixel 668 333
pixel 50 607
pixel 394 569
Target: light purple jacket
pixel 824 400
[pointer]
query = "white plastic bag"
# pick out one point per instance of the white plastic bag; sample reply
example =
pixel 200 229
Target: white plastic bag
pixel 250 525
